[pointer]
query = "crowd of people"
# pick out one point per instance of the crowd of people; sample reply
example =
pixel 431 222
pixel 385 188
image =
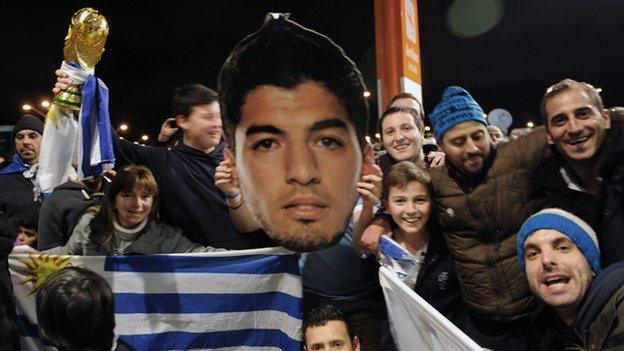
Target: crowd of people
pixel 514 240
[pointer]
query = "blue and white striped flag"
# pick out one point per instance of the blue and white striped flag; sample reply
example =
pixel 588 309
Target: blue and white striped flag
pixel 234 300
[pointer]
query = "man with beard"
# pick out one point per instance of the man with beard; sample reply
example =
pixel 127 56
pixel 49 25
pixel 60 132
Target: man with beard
pixel 294 117
pixel 586 176
pixel 483 196
pixel 17 178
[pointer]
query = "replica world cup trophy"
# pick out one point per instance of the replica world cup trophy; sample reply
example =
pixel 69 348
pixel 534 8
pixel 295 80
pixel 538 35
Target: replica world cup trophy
pixel 85 142
pixel 84 46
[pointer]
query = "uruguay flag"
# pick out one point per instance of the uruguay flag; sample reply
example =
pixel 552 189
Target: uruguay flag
pixel 234 300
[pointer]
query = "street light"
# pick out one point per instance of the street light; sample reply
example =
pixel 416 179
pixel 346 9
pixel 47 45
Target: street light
pixel 27 107
pixel 144 137
pixel 123 127
pixel 45 103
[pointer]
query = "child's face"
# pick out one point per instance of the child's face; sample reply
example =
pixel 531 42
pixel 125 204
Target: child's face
pixel 410 207
pixel 26 236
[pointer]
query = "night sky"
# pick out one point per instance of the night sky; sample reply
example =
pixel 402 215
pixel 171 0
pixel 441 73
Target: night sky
pixel 154 46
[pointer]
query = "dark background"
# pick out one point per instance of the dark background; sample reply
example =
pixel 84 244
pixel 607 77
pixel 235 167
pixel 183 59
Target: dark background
pixel 157 45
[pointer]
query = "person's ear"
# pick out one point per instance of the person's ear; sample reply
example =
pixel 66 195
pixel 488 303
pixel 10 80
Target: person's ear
pixel 181 121
pixel 356 343
pixel 368 159
pixel 549 138
pixel 607 116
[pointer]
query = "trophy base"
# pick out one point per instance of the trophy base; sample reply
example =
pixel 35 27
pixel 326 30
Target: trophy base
pixel 70 98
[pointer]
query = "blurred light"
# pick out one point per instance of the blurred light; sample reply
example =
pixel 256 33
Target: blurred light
pixel 368 138
pixel 377 135
pixel 136 142
pixel 123 127
pixel 144 137
pixel 367 94
pixel 427 128
pixel 530 124
pixel 45 103
pixel 26 107
pixel 121 137
pixel 470 18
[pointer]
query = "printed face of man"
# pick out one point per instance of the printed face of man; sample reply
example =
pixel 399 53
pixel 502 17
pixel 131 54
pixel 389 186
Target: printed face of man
pixel 467 145
pixel 400 136
pixel 202 127
pixel 298 161
pixel 576 127
pixel 557 271
pixel 333 336
pixel 27 146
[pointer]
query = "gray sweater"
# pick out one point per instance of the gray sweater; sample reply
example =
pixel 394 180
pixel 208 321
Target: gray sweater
pixel 148 238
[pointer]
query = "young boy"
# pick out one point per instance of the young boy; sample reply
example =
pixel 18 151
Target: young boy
pixel 27 228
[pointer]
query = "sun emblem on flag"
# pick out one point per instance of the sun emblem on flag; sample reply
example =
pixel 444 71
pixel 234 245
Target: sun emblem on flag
pixel 41 266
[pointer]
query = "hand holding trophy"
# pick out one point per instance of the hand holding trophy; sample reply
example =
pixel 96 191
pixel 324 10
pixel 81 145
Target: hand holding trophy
pixel 85 142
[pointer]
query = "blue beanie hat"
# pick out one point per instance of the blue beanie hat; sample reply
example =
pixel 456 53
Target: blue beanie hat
pixel 567 224
pixel 456 106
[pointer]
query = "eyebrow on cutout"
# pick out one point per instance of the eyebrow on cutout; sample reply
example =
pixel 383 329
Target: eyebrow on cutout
pixel 320 125
pixel 265 128
pixel 328 123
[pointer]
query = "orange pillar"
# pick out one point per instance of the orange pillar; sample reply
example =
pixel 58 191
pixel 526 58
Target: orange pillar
pixel 397 46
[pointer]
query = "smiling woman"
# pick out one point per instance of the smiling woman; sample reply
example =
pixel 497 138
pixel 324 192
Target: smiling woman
pixel 127 222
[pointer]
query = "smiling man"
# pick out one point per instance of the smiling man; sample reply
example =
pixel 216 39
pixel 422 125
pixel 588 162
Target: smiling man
pixel 326 329
pixel 483 195
pixel 294 117
pixel 582 304
pixel 587 175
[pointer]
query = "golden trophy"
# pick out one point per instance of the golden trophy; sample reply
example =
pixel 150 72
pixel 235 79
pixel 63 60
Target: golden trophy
pixel 84 45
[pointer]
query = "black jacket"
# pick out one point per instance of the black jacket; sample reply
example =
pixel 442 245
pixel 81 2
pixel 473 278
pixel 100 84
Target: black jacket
pixel 437 281
pixel 598 325
pixel 189 198
pixel 60 213
pixel 9 339
pixel 604 213
pixel 16 196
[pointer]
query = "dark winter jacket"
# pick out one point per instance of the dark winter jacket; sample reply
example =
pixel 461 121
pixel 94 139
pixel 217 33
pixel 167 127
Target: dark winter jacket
pixel 9 339
pixel 437 281
pixel 480 219
pixel 189 198
pixel 16 195
pixel 599 324
pixel 605 212
pixel 60 213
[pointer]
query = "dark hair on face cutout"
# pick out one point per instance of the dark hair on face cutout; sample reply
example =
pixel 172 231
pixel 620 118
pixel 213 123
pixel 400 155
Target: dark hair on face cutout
pixel 284 54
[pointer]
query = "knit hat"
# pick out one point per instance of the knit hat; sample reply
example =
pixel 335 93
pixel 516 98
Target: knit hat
pixel 456 106
pixel 567 224
pixel 28 122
